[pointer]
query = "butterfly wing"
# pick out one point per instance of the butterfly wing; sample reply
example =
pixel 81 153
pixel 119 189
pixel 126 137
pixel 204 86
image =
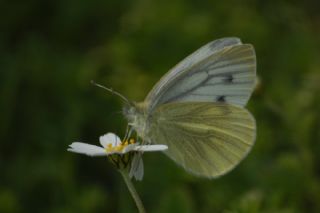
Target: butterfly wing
pixel 206 139
pixel 224 73
pixel 199 55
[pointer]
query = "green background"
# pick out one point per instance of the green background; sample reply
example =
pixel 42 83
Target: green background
pixel 49 52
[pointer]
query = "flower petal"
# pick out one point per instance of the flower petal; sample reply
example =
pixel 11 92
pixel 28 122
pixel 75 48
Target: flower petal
pixel 109 138
pixel 129 148
pixel 151 148
pixel 87 149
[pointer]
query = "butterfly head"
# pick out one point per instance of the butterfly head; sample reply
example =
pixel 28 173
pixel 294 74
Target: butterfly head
pixel 129 111
pixel 136 116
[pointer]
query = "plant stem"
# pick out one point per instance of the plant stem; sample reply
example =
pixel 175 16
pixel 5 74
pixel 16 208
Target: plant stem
pixel 132 190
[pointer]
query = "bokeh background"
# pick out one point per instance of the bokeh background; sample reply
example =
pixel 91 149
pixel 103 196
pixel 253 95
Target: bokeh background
pixel 49 52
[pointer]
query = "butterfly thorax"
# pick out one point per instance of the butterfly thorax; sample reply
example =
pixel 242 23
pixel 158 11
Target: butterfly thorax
pixel 137 118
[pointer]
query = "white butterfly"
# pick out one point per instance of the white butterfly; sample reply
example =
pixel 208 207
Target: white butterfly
pixel 197 109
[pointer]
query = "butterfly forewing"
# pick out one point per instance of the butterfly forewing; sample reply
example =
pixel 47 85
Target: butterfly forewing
pixel 195 57
pixel 227 75
pixel 207 139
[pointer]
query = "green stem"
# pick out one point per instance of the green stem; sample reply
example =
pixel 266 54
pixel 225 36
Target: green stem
pixel 132 190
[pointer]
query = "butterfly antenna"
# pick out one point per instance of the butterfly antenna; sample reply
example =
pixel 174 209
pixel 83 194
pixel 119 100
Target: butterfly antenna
pixel 111 91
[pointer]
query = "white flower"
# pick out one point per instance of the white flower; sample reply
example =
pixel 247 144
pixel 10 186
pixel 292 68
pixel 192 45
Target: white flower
pixel 111 144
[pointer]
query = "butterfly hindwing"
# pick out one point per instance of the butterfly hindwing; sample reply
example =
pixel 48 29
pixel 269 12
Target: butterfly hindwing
pixel 207 139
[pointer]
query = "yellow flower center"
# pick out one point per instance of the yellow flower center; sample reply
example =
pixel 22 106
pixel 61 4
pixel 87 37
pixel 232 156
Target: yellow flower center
pixel 120 147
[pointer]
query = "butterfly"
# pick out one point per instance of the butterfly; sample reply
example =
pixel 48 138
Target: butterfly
pixel 197 109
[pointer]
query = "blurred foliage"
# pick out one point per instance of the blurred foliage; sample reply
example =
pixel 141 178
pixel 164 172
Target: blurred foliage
pixel 50 50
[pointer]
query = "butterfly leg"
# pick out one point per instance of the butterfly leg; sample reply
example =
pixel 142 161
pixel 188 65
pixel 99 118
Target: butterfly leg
pixel 128 133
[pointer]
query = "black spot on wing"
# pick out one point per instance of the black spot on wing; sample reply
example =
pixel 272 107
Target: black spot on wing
pixel 228 79
pixel 221 99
